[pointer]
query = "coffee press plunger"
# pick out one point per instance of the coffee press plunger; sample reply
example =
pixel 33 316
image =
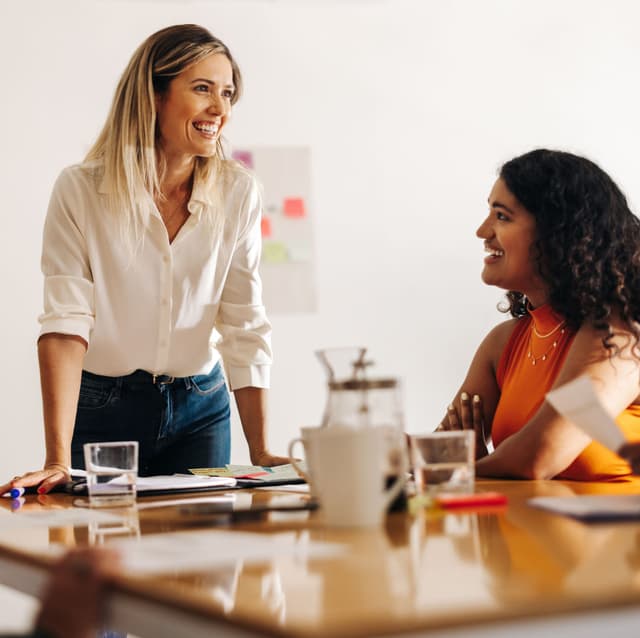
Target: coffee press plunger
pixel 353 400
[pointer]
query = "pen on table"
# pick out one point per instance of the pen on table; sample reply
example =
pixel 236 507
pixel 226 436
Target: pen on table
pixel 17 492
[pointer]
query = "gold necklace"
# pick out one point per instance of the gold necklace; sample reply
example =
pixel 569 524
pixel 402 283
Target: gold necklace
pixel 552 347
pixel 560 325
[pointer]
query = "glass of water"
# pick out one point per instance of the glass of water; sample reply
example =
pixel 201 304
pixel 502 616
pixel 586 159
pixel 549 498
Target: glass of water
pixel 112 470
pixel 443 461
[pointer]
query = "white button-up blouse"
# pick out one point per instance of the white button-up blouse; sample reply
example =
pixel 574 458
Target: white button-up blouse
pixel 168 308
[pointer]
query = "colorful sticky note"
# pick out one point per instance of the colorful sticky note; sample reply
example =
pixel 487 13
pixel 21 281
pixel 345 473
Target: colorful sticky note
pixel 244 157
pixel 274 252
pixel 265 226
pixel 293 207
pixel 252 475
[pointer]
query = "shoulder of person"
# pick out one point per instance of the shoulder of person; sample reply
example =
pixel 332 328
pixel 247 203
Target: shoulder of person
pixel 86 174
pixel 496 340
pixel 239 178
pixel 500 334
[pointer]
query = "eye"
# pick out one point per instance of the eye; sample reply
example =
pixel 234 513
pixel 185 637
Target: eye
pixel 502 217
pixel 201 88
pixel 228 93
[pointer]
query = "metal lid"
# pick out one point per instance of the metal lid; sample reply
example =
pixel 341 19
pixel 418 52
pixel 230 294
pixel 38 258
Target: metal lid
pixel 364 384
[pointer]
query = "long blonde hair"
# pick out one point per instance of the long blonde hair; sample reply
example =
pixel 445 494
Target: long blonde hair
pixel 126 146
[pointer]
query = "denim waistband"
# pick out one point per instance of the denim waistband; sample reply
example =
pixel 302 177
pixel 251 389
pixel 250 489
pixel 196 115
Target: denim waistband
pixel 142 377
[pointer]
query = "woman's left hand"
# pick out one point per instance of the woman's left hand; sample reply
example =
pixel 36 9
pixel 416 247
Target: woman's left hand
pixel 266 459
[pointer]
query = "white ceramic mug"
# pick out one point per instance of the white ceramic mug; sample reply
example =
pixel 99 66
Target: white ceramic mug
pixel 305 434
pixel 346 468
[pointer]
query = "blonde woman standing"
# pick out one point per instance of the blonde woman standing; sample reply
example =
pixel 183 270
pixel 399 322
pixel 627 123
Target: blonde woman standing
pixel 151 250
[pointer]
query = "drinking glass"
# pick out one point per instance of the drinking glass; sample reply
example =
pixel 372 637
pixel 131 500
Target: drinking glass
pixel 443 461
pixel 112 470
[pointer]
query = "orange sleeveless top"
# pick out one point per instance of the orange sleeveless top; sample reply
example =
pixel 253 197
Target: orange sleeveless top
pixel 526 371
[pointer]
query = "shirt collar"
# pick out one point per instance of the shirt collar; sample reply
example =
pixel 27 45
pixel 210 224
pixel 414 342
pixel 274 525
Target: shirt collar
pixel 197 202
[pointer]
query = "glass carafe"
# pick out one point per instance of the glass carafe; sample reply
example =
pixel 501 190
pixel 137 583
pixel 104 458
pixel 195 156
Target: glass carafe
pixel 353 400
pixel 356 401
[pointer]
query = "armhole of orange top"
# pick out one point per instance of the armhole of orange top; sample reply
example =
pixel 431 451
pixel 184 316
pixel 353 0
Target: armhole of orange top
pixel 505 357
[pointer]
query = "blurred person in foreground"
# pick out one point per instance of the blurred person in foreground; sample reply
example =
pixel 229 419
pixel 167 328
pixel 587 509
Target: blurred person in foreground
pixel 73 603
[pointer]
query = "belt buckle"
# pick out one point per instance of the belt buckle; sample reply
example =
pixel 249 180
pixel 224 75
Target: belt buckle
pixel 158 380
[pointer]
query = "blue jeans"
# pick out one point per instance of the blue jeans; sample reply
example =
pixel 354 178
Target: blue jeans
pixel 179 423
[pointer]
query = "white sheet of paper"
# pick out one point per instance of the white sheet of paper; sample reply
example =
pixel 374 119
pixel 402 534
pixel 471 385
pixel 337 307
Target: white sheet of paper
pixel 177 482
pixel 73 516
pixel 300 488
pixel 175 502
pixel 201 550
pixel 591 507
pixel 577 401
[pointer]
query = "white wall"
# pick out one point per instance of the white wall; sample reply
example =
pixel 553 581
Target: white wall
pixel 409 108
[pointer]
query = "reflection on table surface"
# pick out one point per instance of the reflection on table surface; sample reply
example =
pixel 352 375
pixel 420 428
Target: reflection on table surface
pixel 429 569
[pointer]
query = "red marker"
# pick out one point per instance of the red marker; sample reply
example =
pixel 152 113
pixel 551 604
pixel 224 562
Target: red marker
pixel 481 499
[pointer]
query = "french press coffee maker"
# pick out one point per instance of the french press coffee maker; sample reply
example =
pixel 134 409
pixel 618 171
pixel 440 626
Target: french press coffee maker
pixel 355 400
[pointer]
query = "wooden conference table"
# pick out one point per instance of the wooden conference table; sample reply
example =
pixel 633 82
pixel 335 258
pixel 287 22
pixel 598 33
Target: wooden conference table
pixel 419 574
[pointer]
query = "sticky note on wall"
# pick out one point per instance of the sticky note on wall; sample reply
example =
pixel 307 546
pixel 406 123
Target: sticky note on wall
pixel 244 157
pixel 293 207
pixel 265 226
pixel 274 252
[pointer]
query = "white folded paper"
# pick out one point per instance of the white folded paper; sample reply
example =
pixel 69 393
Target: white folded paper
pixel 591 507
pixel 578 402
pixel 176 482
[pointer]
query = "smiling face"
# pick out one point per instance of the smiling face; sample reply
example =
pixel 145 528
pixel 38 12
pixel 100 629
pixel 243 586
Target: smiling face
pixel 509 233
pixel 195 107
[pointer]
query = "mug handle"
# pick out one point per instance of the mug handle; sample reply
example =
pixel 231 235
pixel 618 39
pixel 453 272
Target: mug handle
pixel 301 473
pixel 399 483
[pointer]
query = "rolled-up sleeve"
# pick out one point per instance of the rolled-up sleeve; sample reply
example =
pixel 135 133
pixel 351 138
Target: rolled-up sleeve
pixel 68 286
pixel 245 344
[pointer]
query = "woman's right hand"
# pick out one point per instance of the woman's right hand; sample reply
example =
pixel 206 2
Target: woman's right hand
pixel 46 479
pixel 470 416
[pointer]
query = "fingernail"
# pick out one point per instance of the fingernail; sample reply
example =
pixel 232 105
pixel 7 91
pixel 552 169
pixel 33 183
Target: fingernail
pixel 41 490
pixel 450 407
pixel 476 398
pixel 464 396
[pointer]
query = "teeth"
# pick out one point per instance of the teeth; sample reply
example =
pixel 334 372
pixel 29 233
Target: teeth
pixel 206 128
pixel 495 253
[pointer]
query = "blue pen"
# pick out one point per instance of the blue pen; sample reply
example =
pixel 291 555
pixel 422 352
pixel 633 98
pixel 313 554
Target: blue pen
pixel 16 492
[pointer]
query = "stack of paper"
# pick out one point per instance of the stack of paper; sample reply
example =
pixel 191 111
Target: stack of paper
pixel 279 473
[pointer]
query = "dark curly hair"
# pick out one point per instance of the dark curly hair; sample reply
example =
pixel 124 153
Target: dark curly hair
pixel 587 244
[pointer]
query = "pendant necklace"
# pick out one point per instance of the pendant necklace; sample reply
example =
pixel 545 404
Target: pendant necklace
pixel 543 357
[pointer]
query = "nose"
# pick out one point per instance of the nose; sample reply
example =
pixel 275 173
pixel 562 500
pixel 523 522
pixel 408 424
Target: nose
pixel 484 230
pixel 218 105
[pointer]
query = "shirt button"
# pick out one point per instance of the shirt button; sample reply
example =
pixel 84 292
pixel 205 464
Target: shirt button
pixel 166 259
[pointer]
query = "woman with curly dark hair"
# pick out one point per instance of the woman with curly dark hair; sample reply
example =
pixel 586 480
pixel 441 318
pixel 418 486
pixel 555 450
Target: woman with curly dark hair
pixel 562 241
